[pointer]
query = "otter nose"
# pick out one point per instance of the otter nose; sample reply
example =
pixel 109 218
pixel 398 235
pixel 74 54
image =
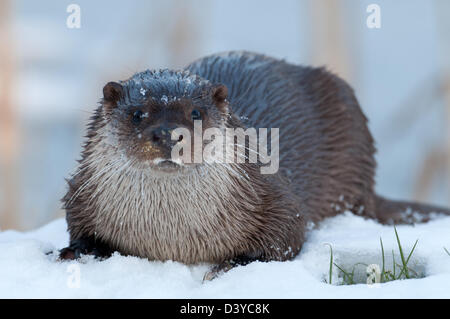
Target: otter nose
pixel 163 136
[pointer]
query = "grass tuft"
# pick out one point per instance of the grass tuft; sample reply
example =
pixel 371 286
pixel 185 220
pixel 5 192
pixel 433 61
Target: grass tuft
pixel 399 270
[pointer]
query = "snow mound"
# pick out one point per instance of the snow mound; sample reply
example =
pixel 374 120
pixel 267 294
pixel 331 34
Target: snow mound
pixel 28 267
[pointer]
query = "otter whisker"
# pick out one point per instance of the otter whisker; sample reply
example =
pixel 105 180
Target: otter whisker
pixel 113 172
pixel 91 164
pixel 88 182
pixel 111 194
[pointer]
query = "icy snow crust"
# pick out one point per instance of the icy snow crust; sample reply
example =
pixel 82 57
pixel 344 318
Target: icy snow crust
pixel 26 271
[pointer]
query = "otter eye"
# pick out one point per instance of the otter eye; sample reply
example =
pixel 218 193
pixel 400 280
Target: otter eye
pixel 137 117
pixel 196 115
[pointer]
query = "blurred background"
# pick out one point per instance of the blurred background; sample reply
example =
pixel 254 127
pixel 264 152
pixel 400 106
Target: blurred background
pixel 51 78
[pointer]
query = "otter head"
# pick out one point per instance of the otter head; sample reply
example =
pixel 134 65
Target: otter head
pixel 154 112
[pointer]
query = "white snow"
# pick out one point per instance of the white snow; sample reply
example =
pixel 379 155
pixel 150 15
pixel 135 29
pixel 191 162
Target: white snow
pixel 165 99
pixel 27 272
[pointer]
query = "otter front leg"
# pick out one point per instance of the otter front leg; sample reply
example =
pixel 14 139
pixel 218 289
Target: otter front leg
pixel 228 265
pixel 86 246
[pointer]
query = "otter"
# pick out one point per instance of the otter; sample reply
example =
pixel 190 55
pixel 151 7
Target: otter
pixel 129 195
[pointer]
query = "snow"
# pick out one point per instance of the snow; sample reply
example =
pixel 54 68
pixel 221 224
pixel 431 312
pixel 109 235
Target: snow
pixel 26 271
pixel 165 99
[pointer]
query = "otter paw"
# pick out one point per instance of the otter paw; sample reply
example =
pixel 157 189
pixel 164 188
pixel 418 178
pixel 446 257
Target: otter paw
pixel 85 246
pixel 210 275
pixel 68 254
pixel 218 270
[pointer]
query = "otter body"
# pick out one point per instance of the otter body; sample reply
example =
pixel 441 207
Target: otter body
pixel 128 196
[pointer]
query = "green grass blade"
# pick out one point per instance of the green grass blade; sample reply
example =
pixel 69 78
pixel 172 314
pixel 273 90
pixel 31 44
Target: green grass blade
pixel 402 256
pixel 405 266
pixel 412 250
pixel 382 256
pixel 393 263
pixel 348 279
pixel 330 275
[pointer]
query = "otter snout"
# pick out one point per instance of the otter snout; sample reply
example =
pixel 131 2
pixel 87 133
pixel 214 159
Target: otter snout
pixel 161 136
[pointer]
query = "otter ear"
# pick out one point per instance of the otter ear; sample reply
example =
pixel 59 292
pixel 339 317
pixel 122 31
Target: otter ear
pixel 112 92
pixel 219 96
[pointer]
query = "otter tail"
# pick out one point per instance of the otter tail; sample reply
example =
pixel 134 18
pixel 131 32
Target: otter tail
pixel 399 212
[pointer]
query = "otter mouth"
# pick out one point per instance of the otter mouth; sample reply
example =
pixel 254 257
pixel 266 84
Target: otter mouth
pixel 166 164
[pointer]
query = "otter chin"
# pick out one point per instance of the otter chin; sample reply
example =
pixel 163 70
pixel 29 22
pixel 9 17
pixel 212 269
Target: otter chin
pixel 131 195
pixel 167 165
pixel 166 162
